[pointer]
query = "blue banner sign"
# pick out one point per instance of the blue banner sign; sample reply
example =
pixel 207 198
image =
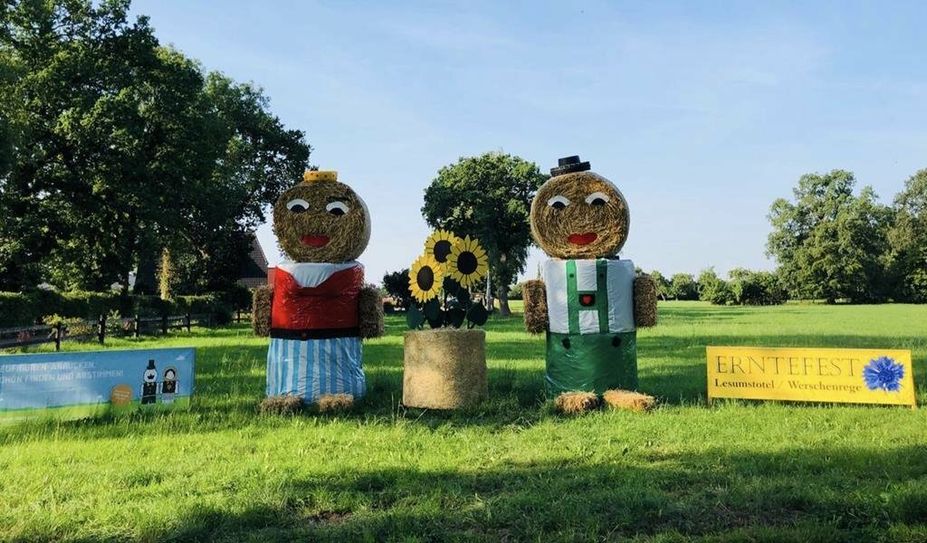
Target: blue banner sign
pixel 82 384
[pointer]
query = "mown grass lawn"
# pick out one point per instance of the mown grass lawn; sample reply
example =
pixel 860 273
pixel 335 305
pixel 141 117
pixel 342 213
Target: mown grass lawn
pixel 509 470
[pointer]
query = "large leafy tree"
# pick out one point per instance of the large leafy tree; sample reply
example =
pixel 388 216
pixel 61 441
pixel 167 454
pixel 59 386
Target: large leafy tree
pixel 830 243
pixel 908 239
pixel 488 197
pixel 122 148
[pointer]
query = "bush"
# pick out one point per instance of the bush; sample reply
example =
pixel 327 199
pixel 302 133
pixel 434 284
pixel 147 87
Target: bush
pixel 683 287
pixel 712 288
pixel 757 288
pixel 516 291
pixel 23 309
pixel 207 304
pixel 17 309
pixel 75 327
pixel 238 297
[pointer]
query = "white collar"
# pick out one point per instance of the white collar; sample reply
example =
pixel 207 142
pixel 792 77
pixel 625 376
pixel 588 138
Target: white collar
pixel 313 274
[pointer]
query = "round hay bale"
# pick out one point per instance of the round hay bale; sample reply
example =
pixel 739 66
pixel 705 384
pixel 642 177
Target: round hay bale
pixel 323 221
pixel 580 215
pixel 444 368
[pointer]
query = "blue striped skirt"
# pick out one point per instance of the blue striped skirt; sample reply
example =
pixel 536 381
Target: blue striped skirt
pixel 314 367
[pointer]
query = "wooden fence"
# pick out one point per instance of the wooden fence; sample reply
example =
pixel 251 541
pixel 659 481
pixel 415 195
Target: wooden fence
pixel 138 326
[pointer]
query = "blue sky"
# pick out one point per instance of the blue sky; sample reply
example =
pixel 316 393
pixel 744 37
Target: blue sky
pixel 701 112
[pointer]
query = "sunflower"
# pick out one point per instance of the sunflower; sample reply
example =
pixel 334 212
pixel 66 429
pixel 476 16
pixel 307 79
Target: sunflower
pixel 425 278
pixel 467 262
pixel 439 244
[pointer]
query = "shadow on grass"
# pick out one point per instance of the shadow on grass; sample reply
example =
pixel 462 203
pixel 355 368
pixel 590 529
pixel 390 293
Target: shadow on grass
pixel 798 494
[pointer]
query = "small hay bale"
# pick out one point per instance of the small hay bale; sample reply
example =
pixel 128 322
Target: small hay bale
pixel 330 403
pixel 552 227
pixel 260 313
pixel 444 368
pixel 628 400
pixel 535 296
pixel 574 403
pixel 281 405
pixel 645 301
pixel 370 316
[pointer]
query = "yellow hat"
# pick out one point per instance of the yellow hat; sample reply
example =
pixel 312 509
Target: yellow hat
pixel 313 176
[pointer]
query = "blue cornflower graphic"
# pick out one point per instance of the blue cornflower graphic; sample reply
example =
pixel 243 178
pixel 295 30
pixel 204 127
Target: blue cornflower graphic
pixel 884 373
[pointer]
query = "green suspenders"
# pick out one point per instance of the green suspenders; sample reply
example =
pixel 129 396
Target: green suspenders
pixel 601 296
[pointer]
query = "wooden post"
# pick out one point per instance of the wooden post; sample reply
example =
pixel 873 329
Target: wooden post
pixel 138 325
pixel 58 330
pixel 186 321
pixel 101 329
pixel 164 324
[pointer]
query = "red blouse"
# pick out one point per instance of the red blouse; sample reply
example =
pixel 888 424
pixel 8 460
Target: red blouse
pixel 327 310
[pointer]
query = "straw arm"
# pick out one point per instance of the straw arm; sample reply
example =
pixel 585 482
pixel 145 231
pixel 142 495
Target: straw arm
pixel 370 312
pixel 645 301
pixel 260 312
pixel 534 294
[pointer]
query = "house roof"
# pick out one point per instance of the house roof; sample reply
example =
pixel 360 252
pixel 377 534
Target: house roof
pixel 254 268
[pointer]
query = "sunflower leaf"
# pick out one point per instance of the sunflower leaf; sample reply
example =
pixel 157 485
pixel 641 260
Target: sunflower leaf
pixel 477 315
pixel 438 321
pixel 432 310
pixel 414 317
pixel 456 316
pixel 463 296
pixel 451 286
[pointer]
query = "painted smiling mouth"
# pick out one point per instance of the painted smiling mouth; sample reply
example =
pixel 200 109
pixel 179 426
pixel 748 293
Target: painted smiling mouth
pixel 315 241
pixel 582 239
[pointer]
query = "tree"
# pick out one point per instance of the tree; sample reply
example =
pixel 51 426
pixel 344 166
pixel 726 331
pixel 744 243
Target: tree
pixel 908 240
pixel 124 148
pixel 661 284
pixel 756 287
pixel 488 197
pixel 396 285
pixel 829 243
pixel 683 287
pixel 712 288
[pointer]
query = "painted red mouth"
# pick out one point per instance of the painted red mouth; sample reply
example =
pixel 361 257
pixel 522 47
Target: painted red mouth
pixel 582 239
pixel 315 241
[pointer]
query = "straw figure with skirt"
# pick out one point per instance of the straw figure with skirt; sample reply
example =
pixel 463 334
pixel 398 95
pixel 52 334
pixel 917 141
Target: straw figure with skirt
pixel 318 308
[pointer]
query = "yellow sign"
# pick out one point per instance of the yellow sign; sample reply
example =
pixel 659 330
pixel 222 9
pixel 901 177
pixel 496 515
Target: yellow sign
pixel 811 375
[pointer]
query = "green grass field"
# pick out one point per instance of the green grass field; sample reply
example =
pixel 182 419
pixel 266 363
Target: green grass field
pixel 509 470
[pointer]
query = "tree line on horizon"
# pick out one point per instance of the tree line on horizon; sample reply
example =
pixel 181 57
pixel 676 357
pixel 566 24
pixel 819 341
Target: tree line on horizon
pixel 830 244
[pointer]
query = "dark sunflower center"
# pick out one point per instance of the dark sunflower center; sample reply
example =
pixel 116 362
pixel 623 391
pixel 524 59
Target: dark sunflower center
pixel 467 263
pixel 425 279
pixel 442 249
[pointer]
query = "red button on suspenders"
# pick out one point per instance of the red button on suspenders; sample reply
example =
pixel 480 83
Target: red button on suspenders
pixel 586 300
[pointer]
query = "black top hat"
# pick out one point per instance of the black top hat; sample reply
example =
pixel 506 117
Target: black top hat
pixel 151 365
pixel 570 164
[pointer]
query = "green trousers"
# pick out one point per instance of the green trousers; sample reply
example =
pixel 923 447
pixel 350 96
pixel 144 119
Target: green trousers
pixel 591 362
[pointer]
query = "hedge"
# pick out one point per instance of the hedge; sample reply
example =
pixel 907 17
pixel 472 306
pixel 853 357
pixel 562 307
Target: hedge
pixel 22 309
